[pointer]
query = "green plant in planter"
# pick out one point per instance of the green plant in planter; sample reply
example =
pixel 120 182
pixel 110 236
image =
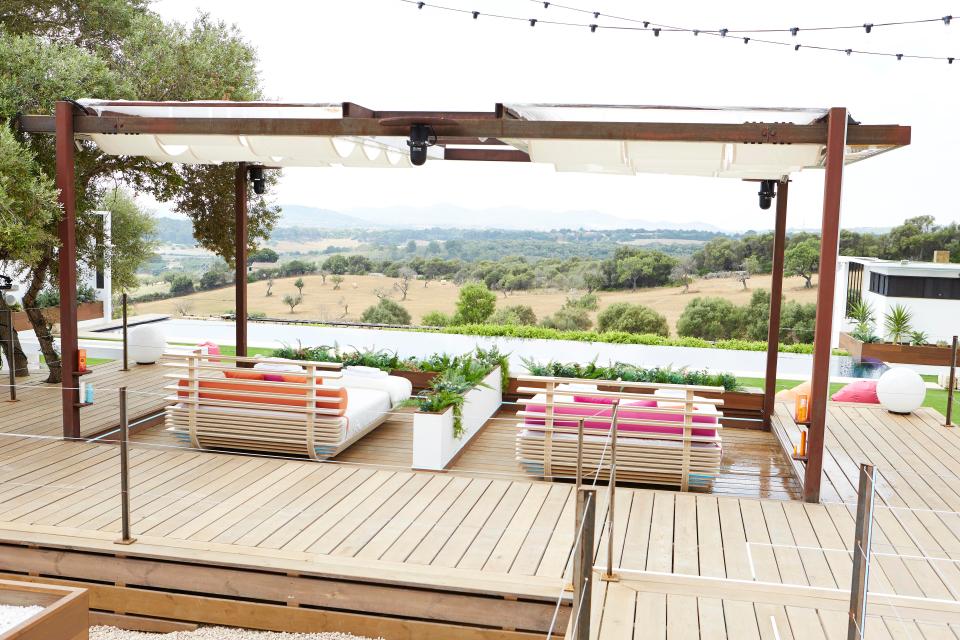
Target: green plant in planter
pixel 493 358
pixel 864 333
pixel 457 375
pixel 631 373
pixel 897 323
pixel 862 312
pixel 919 338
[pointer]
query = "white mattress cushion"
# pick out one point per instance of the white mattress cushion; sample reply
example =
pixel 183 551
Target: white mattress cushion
pixel 364 407
pixel 397 388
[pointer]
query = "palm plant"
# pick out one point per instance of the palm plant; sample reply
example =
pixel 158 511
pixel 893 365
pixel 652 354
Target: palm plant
pixel 861 311
pixel 897 323
pixel 919 338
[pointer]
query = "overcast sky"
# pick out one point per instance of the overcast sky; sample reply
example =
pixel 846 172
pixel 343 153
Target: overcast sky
pixel 387 54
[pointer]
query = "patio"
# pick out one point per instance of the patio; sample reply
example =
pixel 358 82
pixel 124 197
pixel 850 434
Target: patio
pixel 473 530
pixel 364 544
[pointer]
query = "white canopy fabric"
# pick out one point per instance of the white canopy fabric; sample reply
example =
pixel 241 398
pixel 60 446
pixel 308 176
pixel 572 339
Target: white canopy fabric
pixel 624 157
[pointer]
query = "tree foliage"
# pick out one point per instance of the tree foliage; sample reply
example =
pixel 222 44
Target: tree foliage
pixel 632 318
pixel 475 303
pixel 386 311
pixel 802 259
pixel 117 49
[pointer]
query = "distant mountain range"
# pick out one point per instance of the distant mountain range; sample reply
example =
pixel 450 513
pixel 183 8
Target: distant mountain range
pixel 178 230
pixel 453 216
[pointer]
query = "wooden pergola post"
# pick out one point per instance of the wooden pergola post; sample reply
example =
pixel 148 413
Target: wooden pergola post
pixel 776 300
pixel 67 268
pixel 826 284
pixel 240 256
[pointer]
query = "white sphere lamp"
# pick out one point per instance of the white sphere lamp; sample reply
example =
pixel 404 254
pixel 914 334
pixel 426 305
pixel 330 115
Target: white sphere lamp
pixel 145 344
pixel 901 390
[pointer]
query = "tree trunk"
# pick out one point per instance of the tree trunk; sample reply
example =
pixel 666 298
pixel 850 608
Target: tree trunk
pixel 41 328
pixel 809 283
pixel 19 357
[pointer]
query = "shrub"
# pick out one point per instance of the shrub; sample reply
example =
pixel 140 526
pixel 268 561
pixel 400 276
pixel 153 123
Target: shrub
pixel 336 264
pixel 51 297
pixel 632 373
pixel 263 255
pixel 436 319
pixel 386 311
pixel 475 304
pixel 588 301
pixel 214 279
pixel 297 268
pixel 632 318
pixel 517 314
pixel 292 301
pixel 181 285
pixel 568 319
pixel 710 319
pixel 620 337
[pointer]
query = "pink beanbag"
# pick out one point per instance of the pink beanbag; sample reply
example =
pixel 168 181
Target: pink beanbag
pixel 632 414
pixel 213 349
pixel 862 391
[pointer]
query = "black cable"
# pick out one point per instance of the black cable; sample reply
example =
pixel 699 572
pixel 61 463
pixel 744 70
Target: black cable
pixel 657 29
pixel 867 26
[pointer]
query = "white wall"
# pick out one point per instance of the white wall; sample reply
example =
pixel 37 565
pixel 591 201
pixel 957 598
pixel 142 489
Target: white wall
pixel 938 318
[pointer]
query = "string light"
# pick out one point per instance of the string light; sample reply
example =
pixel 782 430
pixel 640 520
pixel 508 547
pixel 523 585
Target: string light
pixel 656 29
pixel 792 30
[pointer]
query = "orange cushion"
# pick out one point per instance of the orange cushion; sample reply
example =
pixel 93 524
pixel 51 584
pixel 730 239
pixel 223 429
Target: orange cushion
pixel 790 395
pixel 333 398
pixel 241 374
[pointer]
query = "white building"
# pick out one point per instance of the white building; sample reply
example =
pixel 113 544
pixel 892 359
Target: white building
pixel 929 290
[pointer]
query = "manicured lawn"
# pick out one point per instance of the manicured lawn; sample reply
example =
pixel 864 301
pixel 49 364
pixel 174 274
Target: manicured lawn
pixel 230 350
pixel 936 398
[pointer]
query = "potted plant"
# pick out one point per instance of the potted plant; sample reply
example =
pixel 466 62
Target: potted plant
pixel 460 400
pixel 897 323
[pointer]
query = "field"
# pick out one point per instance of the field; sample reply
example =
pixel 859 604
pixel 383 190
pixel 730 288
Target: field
pixel 322 302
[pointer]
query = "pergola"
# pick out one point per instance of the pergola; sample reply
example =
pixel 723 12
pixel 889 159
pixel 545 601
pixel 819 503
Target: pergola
pixel 741 143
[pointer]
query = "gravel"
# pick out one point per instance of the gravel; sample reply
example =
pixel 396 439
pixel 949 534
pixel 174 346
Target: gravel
pixel 216 633
pixel 11 616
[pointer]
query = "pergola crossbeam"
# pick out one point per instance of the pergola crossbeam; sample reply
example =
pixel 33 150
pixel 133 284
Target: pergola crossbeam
pixel 467 127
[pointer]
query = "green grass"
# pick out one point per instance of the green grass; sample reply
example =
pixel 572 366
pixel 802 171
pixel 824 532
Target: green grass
pixel 230 350
pixel 936 398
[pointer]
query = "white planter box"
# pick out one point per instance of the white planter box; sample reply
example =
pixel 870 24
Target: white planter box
pixel 434 444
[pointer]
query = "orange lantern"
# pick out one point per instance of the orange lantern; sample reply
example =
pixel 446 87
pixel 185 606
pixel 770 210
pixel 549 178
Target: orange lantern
pixel 81 359
pixel 802 412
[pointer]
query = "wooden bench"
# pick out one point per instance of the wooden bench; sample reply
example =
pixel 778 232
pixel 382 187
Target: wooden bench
pixel 665 434
pixel 211 411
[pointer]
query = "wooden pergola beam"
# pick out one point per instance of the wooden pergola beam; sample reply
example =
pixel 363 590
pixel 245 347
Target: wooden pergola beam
pixel 472 127
pixel 240 256
pixel 776 301
pixel 67 268
pixel 826 284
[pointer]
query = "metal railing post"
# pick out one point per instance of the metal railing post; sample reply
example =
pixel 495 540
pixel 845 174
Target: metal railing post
pixel 12 356
pixel 951 387
pixel 583 563
pixel 610 576
pixel 123 305
pixel 863 535
pixel 125 537
pixel 579 453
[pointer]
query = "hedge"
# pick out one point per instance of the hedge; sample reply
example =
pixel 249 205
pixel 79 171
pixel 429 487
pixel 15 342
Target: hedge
pixel 619 337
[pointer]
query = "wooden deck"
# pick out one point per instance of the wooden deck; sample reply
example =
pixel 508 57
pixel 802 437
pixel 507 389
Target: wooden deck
pixel 693 565
pixel 38 409
pixel 753 463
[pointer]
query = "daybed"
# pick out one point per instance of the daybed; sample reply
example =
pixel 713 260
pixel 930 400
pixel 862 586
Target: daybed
pixel 278 406
pixel 665 433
